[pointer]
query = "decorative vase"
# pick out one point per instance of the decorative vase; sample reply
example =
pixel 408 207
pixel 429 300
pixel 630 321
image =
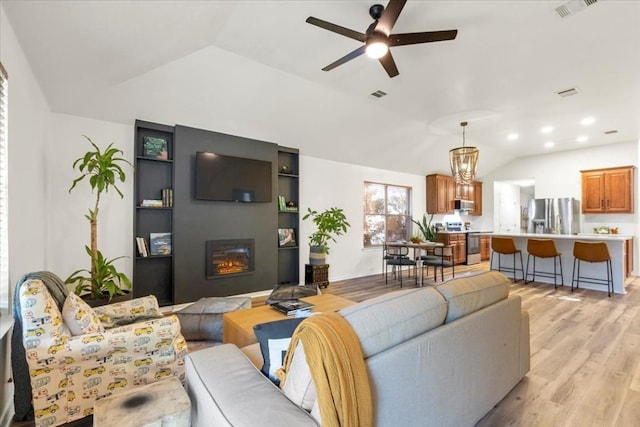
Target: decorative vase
pixel 317 256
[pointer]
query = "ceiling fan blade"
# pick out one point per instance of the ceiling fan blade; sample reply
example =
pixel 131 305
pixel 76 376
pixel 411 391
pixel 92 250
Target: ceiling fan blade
pixel 337 29
pixel 426 37
pixel 390 16
pixel 348 57
pixel 389 65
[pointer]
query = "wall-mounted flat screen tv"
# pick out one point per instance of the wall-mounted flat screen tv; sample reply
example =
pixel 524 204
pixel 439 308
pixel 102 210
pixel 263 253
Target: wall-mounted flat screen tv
pixel 232 179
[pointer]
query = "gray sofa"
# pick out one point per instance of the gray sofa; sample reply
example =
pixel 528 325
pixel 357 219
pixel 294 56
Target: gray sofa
pixel 436 356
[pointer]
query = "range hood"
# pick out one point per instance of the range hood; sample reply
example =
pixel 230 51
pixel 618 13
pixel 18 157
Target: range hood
pixel 463 205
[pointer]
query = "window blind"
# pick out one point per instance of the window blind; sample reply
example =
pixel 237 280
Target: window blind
pixel 4 187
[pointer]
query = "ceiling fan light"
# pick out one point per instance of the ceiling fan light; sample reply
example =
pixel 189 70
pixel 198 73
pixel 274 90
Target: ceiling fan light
pixel 376 49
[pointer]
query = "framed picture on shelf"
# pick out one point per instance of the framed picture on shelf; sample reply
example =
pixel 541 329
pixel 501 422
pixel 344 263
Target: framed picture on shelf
pixel 160 243
pixel 155 147
pixel 286 237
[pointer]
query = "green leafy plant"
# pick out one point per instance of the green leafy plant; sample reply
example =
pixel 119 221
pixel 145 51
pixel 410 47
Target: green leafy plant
pixel 103 276
pixel 330 223
pixel 103 170
pixel 427 229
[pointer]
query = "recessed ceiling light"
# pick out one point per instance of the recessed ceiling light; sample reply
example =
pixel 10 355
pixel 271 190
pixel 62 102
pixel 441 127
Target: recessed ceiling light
pixel 546 129
pixel 513 136
pixel 587 121
pixel 582 138
pixel 549 144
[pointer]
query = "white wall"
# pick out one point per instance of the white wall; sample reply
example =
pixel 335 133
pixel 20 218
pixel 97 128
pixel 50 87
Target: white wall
pixel 27 135
pixel 69 230
pixel 325 184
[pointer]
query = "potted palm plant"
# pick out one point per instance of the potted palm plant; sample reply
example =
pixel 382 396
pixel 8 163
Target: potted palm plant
pixel 103 170
pixel 330 223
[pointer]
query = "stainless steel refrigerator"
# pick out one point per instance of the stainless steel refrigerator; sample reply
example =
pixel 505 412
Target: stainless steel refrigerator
pixel 554 216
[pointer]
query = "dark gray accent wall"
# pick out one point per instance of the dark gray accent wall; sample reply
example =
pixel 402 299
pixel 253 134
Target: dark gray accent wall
pixel 196 221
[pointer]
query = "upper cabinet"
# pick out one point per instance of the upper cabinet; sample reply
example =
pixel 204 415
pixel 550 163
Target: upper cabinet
pixel 442 191
pixel 440 194
pixel 607 190
pixel 476 196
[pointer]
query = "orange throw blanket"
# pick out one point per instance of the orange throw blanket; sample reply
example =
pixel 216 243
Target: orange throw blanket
pixel 336 363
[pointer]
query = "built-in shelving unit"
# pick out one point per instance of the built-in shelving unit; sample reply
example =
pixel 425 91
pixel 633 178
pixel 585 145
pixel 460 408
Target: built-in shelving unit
pixel 153 274
pixel 288 214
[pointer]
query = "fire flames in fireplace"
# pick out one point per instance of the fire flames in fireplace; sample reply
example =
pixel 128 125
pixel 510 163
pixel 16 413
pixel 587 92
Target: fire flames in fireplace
pixel 226 257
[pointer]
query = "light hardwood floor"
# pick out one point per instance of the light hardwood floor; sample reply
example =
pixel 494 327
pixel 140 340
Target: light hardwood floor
pixel 585 354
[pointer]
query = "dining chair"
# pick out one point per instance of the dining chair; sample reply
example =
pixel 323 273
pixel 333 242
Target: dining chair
pixel 443 257
pixel 398 256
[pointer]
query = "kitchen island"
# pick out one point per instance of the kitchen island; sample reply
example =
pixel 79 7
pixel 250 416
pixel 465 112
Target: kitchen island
pixel 620 249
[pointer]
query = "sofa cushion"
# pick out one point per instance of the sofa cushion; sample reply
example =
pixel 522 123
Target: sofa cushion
pixel 390 319
pixel 274 338
pixel 79 316
pixel 472 293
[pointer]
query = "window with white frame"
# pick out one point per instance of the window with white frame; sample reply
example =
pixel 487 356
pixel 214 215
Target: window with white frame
pixel 387 213
pixel 4 229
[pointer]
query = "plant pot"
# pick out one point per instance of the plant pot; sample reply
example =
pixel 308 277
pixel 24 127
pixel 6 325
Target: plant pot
pixel 317 256
pixel 105 301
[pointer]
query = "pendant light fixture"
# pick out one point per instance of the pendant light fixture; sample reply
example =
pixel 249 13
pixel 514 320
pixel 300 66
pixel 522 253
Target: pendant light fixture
pixel 463 161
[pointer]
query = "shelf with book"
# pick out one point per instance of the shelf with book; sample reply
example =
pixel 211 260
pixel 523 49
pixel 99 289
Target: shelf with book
pixel 153 210
pixel 288 214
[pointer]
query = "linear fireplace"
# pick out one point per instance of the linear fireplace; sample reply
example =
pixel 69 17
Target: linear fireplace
pixel 229 257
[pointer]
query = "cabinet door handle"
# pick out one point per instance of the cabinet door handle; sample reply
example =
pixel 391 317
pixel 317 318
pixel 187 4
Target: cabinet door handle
pixel 602 203
pixel 608 203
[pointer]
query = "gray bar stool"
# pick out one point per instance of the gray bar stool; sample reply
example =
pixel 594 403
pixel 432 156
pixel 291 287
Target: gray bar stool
pixel 544 248
pixel 506 246
pixel 592 252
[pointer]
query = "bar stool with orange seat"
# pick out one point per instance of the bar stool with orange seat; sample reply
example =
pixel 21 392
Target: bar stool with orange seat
pixel 544 248
pixel 592 252
pixel 506 246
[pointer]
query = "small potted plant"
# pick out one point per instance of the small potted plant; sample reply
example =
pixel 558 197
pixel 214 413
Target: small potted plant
pixel 416 238
pixel 330 223
pixel 103 281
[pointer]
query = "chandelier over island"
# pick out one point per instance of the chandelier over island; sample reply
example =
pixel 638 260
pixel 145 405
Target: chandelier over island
pixel 463 161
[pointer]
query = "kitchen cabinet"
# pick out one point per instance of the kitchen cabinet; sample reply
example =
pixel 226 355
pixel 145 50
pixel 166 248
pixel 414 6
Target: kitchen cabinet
pixel 442 190
pixel 459 243
pixel 607 190
pixel 440 194
pixel 485 248
pixel 476 196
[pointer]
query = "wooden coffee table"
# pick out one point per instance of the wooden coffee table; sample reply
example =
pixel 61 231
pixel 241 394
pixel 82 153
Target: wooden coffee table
pixel 237 326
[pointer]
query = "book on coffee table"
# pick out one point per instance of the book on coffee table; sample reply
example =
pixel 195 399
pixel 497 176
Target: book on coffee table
pixel 292 307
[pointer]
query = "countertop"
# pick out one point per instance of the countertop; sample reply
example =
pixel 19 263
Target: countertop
pixel 580 236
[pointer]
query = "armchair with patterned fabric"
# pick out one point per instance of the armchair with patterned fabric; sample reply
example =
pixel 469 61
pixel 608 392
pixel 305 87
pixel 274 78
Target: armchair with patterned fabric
pixel 80 354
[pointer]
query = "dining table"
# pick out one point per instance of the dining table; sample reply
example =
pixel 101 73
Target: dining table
pixel 417 253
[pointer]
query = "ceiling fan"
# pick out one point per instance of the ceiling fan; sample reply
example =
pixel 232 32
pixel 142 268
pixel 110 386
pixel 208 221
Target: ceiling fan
pixel 378 38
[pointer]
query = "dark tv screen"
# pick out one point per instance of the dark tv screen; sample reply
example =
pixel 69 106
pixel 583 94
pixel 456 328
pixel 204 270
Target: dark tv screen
pixel 232 179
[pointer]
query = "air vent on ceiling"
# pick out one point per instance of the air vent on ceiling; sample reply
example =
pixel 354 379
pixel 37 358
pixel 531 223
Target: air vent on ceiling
pixel 568 92
pixel 573 6
pixel 609 132
pixel 379 94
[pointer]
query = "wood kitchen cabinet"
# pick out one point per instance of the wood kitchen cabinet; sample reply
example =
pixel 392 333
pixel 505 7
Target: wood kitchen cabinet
pixel 485 248
pixel 459 243
pixel 440 194
pixel 442 190
pixel 607 190
pixel 476 194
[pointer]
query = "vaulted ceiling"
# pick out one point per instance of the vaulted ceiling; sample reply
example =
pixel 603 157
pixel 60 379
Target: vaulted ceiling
pixel 253 68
